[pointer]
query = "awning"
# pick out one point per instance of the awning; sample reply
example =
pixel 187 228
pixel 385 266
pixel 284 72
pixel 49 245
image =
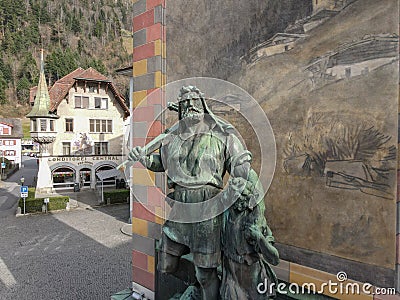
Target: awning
pixel 108 174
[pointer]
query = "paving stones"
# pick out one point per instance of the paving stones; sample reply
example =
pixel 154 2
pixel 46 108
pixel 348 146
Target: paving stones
pixel 80 254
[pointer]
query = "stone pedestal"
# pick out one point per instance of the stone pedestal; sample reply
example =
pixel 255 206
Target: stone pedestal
pixel 44 184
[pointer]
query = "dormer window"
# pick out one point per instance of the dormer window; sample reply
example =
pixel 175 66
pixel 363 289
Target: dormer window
pixel 5 129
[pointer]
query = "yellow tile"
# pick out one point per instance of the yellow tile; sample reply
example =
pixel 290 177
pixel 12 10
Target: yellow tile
pixel 158 45
pixel 304 275
pixel 164 50
pixel 139 67
pixel 159 79
pixel 139 98
pixel 139 226
pixel 151 264
pixel 159 213
pixel 143 177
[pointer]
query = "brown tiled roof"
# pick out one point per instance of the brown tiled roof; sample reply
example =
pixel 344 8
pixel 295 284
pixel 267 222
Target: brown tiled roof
pixel 59 90
pixel 92 74
pixel 15 124
pixel 8 124
pixel 70 78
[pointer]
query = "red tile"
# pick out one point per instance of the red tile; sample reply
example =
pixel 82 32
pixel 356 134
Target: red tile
pixel 155 129
pixel 144 51
pixel 139 260
pixel 143 20
pixel 139 142
pixel 153 3
pixel 143 278
pixel 155 196
pixel 154 96
pixel 140 211
pixel 145 113
pixel 153 32
pixel 138 165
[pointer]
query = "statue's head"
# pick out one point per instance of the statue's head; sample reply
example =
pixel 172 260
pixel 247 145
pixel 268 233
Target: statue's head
pixel 191 104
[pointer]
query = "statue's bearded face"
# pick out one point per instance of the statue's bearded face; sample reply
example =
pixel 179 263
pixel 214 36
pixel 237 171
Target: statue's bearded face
pixel 191 110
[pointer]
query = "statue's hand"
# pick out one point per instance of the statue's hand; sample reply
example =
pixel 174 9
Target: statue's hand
pixel 252 234
pixel 137 154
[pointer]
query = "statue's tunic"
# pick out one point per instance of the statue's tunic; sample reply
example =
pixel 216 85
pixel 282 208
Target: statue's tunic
pixel 195 165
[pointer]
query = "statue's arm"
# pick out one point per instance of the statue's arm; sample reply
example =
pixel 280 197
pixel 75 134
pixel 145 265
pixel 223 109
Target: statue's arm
pixel 153 163
pixel 263 244
pixel 238 159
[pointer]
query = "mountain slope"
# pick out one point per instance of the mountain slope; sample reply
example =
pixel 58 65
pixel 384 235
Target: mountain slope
pixel 72 33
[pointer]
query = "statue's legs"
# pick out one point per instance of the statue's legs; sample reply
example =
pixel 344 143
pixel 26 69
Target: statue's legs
pixel 209 283
pixel 167 263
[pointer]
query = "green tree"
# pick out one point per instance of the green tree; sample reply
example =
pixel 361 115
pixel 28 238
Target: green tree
pixel 29 69
pixel 97 64
pixel 61 62
pixel 3 87
pixel 23 87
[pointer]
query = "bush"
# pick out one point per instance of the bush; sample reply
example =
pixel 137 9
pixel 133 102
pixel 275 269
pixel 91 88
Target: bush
pixel 116 196
pixel 33 204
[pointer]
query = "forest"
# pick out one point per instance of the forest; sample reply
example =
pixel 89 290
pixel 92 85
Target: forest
pixel 73 33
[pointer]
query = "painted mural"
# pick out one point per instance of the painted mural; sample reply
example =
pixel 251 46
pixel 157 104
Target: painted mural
pixel 326 74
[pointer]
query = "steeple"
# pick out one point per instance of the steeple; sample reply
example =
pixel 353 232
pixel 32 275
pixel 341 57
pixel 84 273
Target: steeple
pixel 41 106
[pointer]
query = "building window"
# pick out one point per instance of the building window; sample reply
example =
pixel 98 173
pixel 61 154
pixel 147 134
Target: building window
pixel 10 153
pixel 100 103
pixel 100 148
pixel 69 125
pixel 78 101
pixel 81 102
pixel 34 125
pixel 66 146
pixel 43 125
pixel 51 125
pixel 92 89
pixel 9 143
pixel 6 131
pixel 100 126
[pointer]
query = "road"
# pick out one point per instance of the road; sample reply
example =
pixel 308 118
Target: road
pixel 10 188
pixel 80 254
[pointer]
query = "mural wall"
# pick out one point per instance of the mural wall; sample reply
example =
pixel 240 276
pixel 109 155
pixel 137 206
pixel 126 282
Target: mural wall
pixel 327 77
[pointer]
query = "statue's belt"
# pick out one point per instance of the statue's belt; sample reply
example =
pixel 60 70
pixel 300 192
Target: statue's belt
pixel 241 259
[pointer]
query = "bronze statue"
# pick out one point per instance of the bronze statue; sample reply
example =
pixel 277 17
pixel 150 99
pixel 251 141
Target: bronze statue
pixel 247 245
pixel 196 153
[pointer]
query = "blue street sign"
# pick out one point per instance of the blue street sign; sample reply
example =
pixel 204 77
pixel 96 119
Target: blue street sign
pixel 24 191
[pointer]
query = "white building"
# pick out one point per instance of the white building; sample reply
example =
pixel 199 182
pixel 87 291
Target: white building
pixel 87 132
pixel 10 140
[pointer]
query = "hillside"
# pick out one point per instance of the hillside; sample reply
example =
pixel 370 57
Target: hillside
pixel 72 33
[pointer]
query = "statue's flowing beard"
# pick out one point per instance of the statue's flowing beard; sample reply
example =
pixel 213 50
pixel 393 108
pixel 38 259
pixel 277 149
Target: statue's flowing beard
pixel 192 115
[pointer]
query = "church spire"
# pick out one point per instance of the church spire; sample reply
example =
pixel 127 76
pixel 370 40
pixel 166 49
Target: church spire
pixel 42 100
